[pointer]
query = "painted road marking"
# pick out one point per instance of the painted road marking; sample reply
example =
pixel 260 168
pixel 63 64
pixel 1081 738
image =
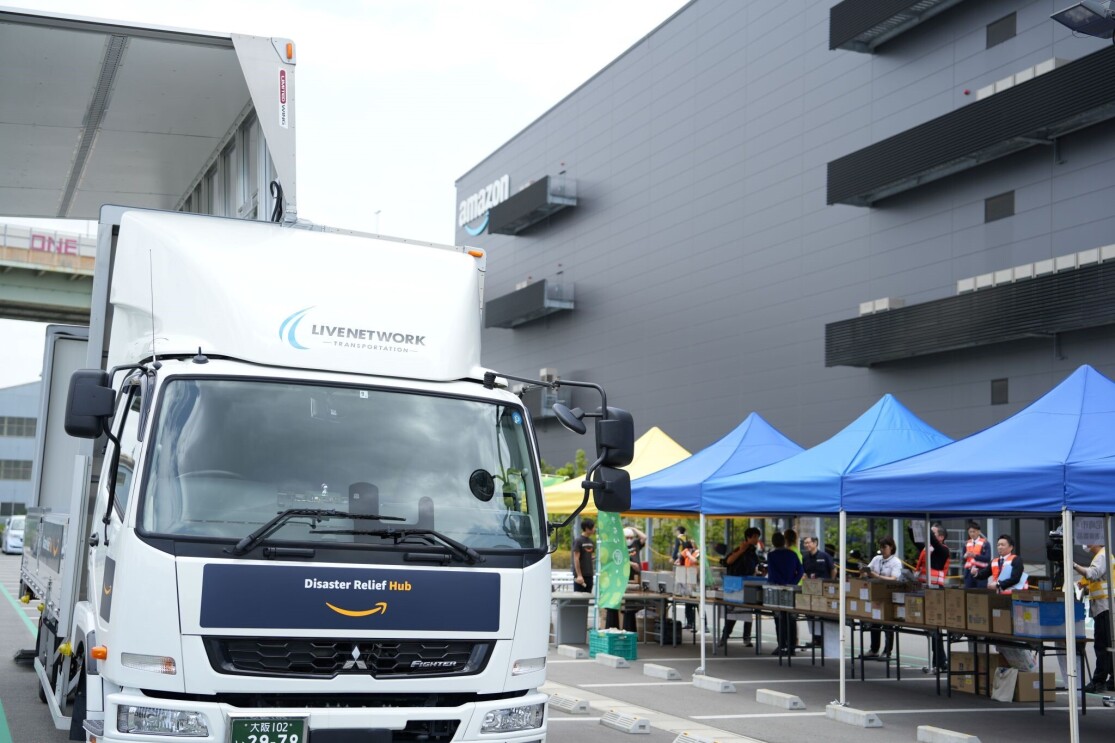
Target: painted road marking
pixel 19 610
pixel 1013 709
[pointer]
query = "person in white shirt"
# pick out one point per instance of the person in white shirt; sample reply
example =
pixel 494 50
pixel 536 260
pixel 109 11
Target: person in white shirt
pixel 884 566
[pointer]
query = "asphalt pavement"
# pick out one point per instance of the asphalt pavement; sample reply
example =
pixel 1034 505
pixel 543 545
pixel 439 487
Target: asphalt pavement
pixel 672 708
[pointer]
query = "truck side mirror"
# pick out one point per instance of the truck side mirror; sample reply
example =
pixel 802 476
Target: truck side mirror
pixel 614 496
pixel 615 439
pixel 90 404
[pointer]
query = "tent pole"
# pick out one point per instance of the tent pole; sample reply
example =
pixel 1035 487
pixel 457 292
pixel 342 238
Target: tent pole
pixel 843 551
pixel 701 582
pixel 1109 539
pixel 1070 624
pixel 646 553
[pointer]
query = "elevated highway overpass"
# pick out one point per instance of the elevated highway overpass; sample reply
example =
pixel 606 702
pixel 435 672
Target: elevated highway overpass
pixel 45 276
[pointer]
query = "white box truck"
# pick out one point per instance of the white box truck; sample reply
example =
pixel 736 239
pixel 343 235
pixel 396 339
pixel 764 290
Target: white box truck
pixel 310 514
pixel 296 507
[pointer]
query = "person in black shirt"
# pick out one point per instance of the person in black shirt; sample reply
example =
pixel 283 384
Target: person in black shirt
pixel 584 549
pixel 934 576
pixel 817 564
pixel 742 561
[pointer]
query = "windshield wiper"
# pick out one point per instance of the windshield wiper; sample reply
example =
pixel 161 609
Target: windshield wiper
pixel 461 551
pixel 317 514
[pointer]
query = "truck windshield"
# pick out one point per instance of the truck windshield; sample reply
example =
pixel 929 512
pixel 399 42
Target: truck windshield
pixel 230 454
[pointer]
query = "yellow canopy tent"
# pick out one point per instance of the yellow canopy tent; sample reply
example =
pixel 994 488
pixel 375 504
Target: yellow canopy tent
pixel 654 450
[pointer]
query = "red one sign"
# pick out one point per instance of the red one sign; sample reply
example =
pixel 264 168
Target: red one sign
pixel 52 244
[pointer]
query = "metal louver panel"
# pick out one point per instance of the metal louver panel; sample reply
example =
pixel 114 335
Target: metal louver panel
pixel 862 25
pixel 1041 307
pixel 1070 97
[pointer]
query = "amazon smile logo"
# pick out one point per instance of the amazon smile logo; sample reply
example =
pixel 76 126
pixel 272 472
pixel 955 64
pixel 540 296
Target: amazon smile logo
pixel 379 608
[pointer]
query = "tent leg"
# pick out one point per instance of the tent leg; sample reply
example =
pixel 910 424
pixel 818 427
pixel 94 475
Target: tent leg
pixel 701 582
pixel 1109 540
pixel 843 552
pixel 1070 626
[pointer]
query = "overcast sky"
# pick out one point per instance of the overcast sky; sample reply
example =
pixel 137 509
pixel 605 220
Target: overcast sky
pixel 396 98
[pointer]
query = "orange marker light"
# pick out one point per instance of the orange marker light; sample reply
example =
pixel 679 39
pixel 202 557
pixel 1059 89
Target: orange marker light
pixel 100 652
pixel 476 253
pixel 289 50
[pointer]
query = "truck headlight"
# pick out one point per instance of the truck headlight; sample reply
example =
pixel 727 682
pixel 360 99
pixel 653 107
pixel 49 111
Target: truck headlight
pixel 510 719
pixel 528 665
pixel 155 721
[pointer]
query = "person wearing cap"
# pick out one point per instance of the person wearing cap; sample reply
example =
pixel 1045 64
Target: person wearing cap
pixel 1097 579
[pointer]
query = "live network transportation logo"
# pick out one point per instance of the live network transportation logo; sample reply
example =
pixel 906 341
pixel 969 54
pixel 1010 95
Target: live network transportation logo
pixel 344 336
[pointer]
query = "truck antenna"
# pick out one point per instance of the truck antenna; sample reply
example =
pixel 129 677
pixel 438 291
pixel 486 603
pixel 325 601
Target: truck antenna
pixel 151 280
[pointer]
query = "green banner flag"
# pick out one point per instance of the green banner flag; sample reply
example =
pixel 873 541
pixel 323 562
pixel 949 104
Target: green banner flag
pixel 614 565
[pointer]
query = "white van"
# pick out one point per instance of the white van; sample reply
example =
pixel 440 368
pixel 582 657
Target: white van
pixel 13 536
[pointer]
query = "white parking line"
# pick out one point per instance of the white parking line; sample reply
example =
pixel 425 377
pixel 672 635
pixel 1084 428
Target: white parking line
pixel 1013 709
pixel 739 682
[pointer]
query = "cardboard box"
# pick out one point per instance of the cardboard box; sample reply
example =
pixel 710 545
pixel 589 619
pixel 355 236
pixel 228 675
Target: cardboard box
pixel 872 590
pixel 956 609
pixel 966 684
pixel 812 586
pixel 1002 621
pixel 880 611
pixel 1033 594
pixel 935 607
pixel 1030 685
pixel 915 609
pixel 830 588
pixel 980 604
pixel 803 601
pixel 855 607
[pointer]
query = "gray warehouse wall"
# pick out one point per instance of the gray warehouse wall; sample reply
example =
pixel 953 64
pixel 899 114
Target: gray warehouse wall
pixel 706 262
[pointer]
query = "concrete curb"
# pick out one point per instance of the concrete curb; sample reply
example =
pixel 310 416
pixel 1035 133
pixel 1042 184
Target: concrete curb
pixel 710 683
pixel 778 699
pixel 851 716
pixel 572 651
pixel 930 734
pixel 660 672
pixel 612 661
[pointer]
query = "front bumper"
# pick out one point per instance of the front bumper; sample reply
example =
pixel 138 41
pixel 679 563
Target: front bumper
pixel 470 716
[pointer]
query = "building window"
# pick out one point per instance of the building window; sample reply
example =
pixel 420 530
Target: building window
pixel 19 427
pixel 15 469
pixel 1001 30
pixel 999 391
pixel 998 207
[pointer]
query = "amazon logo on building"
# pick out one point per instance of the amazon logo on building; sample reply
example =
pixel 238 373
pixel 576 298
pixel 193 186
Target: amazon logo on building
pixel 478 204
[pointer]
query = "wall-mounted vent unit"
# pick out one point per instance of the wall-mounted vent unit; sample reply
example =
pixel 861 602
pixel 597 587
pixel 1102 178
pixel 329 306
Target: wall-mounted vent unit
pixel 1031 270
pixel 880 305
pixel 531 302
pixel 538 201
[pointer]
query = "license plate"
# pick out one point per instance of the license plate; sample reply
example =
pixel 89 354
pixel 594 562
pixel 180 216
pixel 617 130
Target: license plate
pixel 268 730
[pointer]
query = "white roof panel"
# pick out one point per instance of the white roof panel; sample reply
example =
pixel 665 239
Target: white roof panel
pixel 99 112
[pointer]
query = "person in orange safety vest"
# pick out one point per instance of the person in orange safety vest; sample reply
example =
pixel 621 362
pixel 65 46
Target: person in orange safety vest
pixel 977 556
pixel 938 561
pixel 1006 571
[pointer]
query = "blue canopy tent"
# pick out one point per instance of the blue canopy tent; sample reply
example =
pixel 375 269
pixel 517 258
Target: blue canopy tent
pixel 810 482
pixel 1090 485
pixel 1045 459
pixel 1018 465
pixel 753 443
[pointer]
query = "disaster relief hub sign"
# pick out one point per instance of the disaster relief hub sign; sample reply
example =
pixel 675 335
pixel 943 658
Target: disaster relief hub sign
pixel 266 597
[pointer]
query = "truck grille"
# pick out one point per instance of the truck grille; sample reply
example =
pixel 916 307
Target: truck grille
pixel 324 658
